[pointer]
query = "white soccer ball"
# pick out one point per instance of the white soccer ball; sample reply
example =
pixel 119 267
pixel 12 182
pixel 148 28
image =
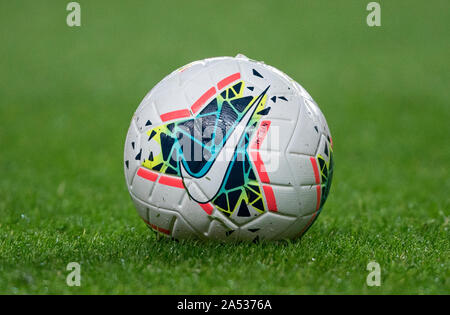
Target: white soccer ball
pixel 229 149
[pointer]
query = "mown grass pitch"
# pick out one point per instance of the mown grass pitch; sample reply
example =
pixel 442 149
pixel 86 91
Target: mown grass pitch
pixel 67 96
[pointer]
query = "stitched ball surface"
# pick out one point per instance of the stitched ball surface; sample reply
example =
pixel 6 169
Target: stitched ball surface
pixel 229 149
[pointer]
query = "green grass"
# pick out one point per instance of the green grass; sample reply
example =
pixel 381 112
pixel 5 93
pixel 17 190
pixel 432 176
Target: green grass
pixel 67 96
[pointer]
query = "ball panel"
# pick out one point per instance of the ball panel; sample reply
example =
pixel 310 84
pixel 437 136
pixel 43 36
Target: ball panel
pixel 306 134
pixel 309 199
pixel 223 219
pixel 219 231
pixel 278 135
pixel 171 99
pixel 298 227
pixel 161 220
pixel 287 200
pixel 181 230
pixel 266 227
pixel 199 90
pixel 318 116
pixel 141 207
pixel 220 69
pixel 282 110
pixel 141 186
pixel 167 81
pixel 301 168
pixel 185 73
pixel 195 214
pixel 166 196
pixel 277 168
pixel 146 118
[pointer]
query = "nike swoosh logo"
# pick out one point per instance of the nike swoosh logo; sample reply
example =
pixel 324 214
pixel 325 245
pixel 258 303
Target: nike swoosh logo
pixel 204 189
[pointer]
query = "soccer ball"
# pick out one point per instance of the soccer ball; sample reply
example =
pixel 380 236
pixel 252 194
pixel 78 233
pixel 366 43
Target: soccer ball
pixel 229 149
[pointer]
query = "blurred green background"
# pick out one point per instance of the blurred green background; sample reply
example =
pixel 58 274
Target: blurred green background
pixel 67 96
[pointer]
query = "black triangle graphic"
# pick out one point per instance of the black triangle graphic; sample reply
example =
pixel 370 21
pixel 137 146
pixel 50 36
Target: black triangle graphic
pixel 256 73
pixel 138 156
pixel 243 210
pixel 152 134
pixel 264 111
